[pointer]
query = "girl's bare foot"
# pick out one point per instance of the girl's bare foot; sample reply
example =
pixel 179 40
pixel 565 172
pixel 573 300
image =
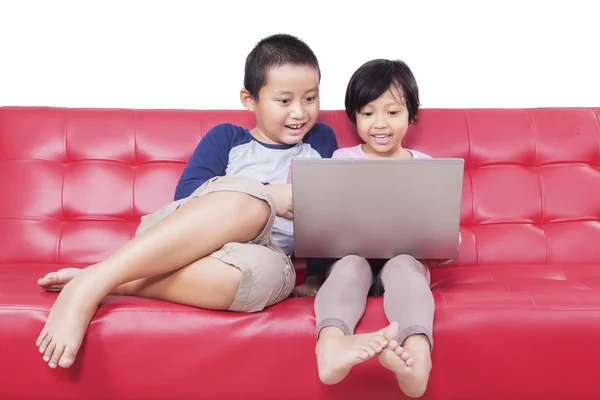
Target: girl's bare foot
pixel 56 281
pixel 338 353
pixel 411 364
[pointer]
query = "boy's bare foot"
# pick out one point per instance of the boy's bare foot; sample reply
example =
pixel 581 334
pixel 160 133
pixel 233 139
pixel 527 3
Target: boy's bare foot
pixel 309 288
pixel 56 281
pixel 338 353
pixel 411 363
pixel 69 318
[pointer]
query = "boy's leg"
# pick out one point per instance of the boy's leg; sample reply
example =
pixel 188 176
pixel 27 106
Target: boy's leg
pixel 339 305
pixel 409 302
pixel 201 284
pixel 262 277
pixel 222 211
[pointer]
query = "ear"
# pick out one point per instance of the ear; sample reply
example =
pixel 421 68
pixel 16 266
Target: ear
pixel 247 100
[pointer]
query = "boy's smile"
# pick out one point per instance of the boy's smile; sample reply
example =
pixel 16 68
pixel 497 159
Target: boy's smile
pixel 287 106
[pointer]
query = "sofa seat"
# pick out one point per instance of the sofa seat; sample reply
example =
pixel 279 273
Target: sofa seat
pixel 496 328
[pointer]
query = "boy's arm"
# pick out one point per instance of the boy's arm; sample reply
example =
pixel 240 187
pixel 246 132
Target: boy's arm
pixel 208 160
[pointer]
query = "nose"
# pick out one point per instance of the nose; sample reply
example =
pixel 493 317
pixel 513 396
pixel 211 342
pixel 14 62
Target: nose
pixel 380 123
pixel 297 111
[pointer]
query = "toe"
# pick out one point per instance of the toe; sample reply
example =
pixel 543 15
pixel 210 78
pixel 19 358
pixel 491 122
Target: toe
pixel 54 360
pixel 381 340
pixel 375 346
pixel 49 279
pixel 49 351
pixel 399 351
pixel 405 356
pixel 68 357
pixel 369 350
pixel 41 337
pixel 393 345
pixel 45 342
pixel 363 354
pixel 390 331
pixel 410 362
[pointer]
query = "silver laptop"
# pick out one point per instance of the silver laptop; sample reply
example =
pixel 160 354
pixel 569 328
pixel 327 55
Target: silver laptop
pixel 377 208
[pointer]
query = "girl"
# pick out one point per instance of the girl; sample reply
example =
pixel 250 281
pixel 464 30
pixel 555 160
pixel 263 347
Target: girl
pixel 382 100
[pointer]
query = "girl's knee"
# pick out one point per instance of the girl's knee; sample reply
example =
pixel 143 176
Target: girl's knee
pixel 405 264
pixel 352 266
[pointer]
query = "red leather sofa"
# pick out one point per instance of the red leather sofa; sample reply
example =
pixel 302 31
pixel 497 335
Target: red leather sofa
pixel 517 314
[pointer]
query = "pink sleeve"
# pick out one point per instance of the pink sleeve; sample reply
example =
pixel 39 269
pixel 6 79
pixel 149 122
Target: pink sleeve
pixel 349 152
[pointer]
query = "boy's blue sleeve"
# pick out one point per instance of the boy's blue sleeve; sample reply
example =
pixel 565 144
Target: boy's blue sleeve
pixel 322 138
pixel 208 160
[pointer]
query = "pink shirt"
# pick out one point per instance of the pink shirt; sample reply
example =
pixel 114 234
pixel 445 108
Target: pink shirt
pixel 358 152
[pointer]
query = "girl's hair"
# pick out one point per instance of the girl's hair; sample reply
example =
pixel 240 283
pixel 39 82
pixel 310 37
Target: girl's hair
pixel 374 78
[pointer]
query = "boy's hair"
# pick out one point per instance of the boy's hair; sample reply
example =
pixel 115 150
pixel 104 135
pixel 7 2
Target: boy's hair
pixel 374 78
pixel 275 51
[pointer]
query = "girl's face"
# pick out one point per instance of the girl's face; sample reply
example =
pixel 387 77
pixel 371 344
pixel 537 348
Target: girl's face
pixel 382 125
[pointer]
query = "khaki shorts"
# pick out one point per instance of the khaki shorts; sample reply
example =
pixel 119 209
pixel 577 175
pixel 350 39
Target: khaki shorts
pixel 268 273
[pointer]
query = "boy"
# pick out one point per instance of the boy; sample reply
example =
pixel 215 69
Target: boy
pixel 225 242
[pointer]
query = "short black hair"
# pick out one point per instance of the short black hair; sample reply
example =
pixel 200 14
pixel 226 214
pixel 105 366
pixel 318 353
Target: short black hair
pixel 374 78
pixel 275 51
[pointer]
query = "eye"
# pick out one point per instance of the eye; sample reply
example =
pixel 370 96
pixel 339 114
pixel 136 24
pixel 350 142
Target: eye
pixel 311 99
pixel 392 113
pixel 283 101
pixel 367 114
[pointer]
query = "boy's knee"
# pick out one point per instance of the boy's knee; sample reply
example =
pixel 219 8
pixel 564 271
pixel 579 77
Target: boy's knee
pixel 243 197
pixel 257 209
pixel 244 208
pixel 244 203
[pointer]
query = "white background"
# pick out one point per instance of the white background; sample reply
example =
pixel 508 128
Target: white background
pixel 190 54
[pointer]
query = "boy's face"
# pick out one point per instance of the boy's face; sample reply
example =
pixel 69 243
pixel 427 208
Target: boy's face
pixel 382 124
pixel 287 106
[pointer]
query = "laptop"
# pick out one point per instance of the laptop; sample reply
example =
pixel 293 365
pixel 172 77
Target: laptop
pixel 377 208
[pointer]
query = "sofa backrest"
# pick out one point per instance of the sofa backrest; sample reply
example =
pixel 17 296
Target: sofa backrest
pixel 76 181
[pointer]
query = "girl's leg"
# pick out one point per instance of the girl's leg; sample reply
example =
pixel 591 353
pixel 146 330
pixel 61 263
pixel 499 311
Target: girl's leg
pixel 339 305
pixel 409 302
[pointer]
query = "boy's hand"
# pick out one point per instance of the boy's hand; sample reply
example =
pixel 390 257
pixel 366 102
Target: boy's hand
pixel 282 195
pixel 308 288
